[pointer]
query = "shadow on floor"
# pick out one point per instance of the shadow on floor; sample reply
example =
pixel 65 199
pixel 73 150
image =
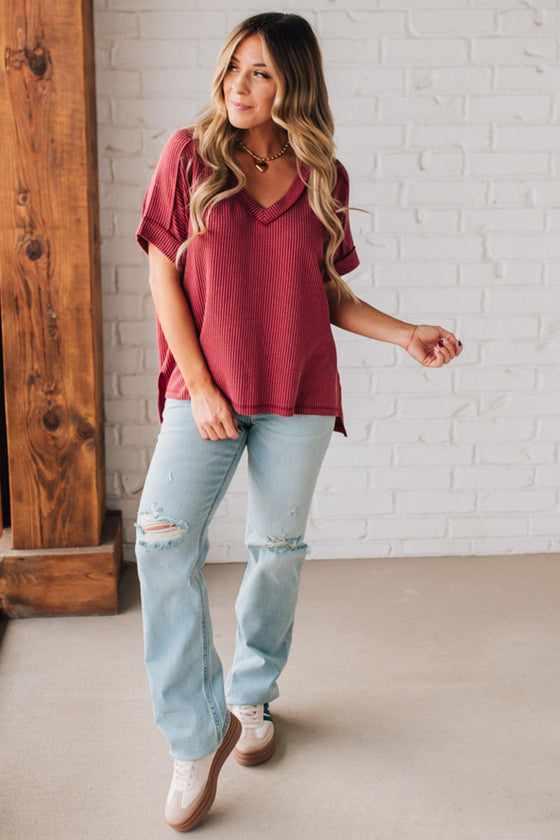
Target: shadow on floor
pixel 129 589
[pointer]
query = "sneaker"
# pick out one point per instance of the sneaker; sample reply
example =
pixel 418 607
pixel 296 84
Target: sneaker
pixel 193 786
pixel 256 744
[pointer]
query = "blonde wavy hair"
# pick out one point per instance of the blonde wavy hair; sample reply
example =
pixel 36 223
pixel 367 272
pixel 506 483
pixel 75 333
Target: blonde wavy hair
pixel 301 107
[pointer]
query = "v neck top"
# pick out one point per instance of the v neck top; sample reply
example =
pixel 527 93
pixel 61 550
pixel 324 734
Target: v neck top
pixel 266 215
pixel 255 286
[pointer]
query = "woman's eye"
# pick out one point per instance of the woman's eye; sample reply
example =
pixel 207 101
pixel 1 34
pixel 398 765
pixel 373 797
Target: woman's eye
pixel 233 68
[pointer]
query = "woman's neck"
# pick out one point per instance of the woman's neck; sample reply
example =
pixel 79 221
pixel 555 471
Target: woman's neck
pixel 264 140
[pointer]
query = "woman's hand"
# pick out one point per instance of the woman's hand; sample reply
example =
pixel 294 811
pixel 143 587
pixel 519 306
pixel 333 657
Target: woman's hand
pixel 213 414
pixel 433 346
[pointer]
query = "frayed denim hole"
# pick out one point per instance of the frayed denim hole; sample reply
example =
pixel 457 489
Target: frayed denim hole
pixel 155 531
pixel 286 544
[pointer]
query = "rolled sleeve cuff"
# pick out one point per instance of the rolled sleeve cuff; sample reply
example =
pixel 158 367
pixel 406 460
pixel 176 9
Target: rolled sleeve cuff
pixel 150 231
pixel 347 263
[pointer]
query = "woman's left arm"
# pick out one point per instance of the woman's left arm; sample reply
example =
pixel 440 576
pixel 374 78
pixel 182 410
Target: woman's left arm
pixel 430 345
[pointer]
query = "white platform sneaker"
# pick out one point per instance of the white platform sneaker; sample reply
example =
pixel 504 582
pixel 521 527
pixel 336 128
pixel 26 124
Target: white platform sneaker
pixel 193 786
pixel 256 744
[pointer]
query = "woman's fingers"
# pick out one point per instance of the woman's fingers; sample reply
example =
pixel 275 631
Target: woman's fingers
pixel 444 351
pixel 451 345
pixel 218 431
pixel 214 416
pixel 447 348
pixel 433 346
pixel 230 427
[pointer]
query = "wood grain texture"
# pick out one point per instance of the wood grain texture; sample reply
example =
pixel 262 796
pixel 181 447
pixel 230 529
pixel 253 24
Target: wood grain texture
pixel 4 487
pixel 78 581
pixel 51 291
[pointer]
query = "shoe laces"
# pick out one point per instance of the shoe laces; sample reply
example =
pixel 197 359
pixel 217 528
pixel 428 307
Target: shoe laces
pixel 184 771
pixel 250 715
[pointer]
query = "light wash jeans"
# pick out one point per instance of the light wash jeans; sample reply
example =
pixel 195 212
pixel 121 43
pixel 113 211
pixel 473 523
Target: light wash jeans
pixel 187 479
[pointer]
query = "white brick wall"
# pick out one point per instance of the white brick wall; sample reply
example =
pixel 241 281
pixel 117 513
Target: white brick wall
pixel 448 117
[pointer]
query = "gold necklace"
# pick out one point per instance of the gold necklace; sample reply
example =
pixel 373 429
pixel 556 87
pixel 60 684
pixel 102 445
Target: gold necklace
pixel 261 162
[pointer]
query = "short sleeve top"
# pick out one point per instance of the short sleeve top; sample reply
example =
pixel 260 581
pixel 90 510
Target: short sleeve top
pixel 255 286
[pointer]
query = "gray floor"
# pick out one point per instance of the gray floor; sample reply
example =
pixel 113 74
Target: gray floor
pixel 421 701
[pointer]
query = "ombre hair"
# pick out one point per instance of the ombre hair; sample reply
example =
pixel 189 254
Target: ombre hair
pixel 301 107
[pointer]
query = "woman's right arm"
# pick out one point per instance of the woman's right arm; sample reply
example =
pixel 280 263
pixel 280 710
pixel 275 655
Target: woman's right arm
pixel 211 410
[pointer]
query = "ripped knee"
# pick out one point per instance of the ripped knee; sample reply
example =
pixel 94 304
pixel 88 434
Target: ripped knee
pixel 285 543
pixel 155 530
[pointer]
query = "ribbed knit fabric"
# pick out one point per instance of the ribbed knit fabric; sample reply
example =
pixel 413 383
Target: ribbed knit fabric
pixel 255 286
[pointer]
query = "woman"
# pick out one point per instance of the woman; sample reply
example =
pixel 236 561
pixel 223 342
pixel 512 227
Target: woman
pixel 246 226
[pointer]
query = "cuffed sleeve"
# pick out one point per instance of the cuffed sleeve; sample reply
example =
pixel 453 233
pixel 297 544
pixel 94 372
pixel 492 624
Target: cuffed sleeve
pixel 165 211
pixel 346 258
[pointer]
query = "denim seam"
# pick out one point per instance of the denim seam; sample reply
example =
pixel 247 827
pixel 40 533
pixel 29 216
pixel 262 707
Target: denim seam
pixel 207 689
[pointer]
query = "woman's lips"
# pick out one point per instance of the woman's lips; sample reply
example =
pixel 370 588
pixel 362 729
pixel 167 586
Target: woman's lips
pixel 239 106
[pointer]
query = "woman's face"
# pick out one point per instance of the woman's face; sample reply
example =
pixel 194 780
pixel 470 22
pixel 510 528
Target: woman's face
pixel 248 86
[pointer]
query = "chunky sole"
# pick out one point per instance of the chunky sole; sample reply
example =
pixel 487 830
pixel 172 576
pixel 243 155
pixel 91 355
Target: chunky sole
pixel 250 759
pixel 202 805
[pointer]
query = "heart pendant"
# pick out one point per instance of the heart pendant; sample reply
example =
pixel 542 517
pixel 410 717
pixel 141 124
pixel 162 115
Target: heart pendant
pixel 262 165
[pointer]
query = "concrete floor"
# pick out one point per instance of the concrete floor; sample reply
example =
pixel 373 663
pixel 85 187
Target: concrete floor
pixel 421 701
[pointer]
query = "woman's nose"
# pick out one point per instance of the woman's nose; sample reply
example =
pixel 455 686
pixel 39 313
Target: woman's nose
pixel 240 84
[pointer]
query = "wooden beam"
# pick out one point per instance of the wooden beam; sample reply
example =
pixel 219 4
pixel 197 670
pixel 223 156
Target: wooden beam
pixel 50 274
pixel 79 581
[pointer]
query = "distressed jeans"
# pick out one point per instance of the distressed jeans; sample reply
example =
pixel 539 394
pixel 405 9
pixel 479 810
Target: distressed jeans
pixel 186 481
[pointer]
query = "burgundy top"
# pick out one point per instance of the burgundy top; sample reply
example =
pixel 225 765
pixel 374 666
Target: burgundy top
pixel 254 283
